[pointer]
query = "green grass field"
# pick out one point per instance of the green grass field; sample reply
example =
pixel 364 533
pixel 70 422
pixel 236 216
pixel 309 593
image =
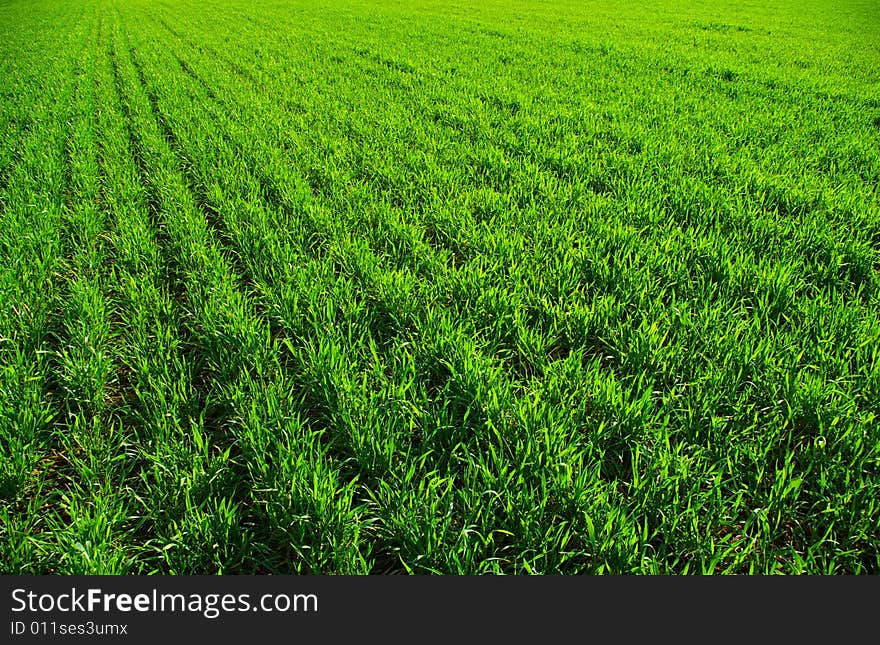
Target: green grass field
pixel 441 286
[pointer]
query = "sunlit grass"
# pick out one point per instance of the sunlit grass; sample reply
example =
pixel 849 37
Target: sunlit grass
pixel 439 288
